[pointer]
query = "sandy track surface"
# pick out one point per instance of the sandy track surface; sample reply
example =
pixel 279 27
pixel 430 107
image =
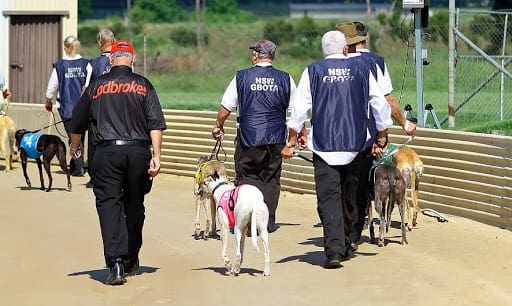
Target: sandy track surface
pixel 52 255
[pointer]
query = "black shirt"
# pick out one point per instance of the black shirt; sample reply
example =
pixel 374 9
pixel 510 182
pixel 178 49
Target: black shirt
pixel 118 105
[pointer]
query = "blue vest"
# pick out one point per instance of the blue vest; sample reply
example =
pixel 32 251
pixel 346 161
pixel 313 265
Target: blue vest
pixel 340 93
pixel 100 65
pixel 374 60
pixel 71 75
pixel 263 98
pixel 29 144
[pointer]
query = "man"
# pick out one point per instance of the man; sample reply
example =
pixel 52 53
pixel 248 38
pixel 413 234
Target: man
pixel 123 113
pixel 5 92
pixel 357 36
pixel 341 93
pixel 100 66
pixel 66 83
pixel 261 94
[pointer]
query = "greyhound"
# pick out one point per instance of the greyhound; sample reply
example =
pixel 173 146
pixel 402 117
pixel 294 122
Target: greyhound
pixel 32 145
pixel 389 189
pixel 7 140
pixel 236 208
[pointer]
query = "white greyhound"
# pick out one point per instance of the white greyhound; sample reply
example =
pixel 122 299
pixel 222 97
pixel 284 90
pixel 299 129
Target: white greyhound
pixel 246 204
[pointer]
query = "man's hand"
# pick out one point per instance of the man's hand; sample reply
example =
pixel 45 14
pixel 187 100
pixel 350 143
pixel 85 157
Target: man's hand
pixel 6 94
pixel 218 133
pixel 410 128
pixel 287 151
pixel 48 105
pixel 154 166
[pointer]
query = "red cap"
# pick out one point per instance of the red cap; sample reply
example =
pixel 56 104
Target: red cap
pixel 122 46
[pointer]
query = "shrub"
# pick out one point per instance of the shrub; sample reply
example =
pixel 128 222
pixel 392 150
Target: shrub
pixel 185 37
pixel 278 31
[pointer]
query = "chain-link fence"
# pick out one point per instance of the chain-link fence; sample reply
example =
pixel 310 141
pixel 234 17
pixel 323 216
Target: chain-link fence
pixel 483 77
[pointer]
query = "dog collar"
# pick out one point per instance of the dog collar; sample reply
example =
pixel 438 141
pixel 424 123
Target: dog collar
pixel 216 187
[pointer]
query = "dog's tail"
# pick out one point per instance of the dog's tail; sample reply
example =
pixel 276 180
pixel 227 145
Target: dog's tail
pixel 254 231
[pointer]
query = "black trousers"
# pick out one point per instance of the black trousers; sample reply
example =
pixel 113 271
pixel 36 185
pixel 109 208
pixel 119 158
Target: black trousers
pixel 336 191
pixel 364 196
pixel 75 165
pixel 91 149
pixel 261 166
pixel 120 182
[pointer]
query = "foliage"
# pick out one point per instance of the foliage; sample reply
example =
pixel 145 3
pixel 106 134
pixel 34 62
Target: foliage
pixel 157 11
pixel 438 26
pixel 87 32
pixel 226 11
pixel 278 30
pixel 84 8
pixel 185 36
pixel 306 42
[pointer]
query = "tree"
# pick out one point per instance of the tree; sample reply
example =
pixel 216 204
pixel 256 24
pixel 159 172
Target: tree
pixel 84 8
pixel 157 11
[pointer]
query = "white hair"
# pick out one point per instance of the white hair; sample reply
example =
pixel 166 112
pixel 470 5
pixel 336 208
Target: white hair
pixel 333 42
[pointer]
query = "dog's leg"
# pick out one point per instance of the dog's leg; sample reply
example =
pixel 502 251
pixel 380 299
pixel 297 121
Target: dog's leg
pixel 40 168
pixel 261 219
pixel 208 211
pixel 240 232
pixel 24 157
pixel 47 165
pixel 408 176
pixel 224 234
pixel 198 200
pixel 213 209
pixel 414 195
pixel 204 208
pixel 381 210
pixel 369 212
pixel 61 155
pixel 6 147
pixel 266 249
pixel 401 209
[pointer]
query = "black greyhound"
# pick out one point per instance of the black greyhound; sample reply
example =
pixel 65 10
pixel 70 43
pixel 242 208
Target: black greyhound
pixel 35 146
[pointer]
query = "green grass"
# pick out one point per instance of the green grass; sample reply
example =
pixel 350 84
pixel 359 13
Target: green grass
pixel 194 88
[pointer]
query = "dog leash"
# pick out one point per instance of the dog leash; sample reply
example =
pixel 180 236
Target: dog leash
pixel 54 123
pixel 216 149
pixel 397 147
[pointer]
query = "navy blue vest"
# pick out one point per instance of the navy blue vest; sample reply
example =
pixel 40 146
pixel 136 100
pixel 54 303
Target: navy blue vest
pixel 340 92
pixel 378 60
pixel 71 75
pixel 100 65
pixel 263 98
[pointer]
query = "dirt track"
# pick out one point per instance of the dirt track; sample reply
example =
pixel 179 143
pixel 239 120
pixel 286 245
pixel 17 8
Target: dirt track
pixel 52 255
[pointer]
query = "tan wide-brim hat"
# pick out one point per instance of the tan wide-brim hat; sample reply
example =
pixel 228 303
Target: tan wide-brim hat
pixel 350 32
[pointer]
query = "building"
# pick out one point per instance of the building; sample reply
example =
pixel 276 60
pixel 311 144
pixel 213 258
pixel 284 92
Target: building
pixel 32 33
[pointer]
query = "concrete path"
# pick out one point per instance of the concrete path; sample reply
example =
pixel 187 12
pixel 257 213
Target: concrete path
pixel 51 254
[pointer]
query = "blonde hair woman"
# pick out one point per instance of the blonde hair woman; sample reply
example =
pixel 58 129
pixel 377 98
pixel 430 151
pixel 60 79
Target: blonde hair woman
pixel 66 83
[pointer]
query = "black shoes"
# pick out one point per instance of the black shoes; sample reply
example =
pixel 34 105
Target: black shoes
pixel 131 268
pixel 116 275
pixel 89 185
pixel 80 172
pixel 333 262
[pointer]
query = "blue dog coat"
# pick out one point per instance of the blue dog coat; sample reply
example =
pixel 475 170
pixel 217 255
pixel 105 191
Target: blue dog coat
pixel 29 144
